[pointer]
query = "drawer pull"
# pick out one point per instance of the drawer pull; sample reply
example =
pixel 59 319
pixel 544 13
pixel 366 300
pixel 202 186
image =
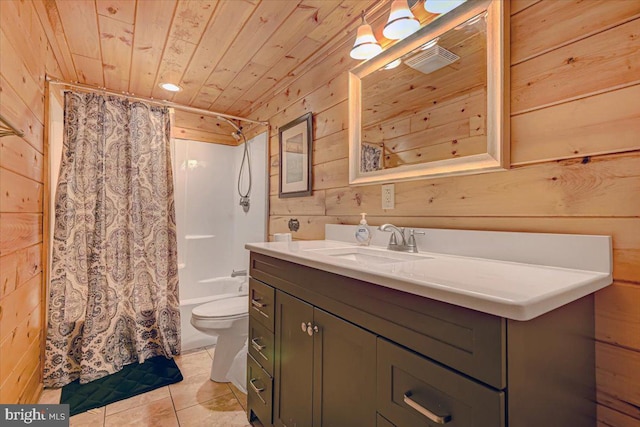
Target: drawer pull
pixel 254 344
pixel 438 419
pixel 259 348
pixel 256 303
pixel 258 390
pixel 261 312
pixel 255 388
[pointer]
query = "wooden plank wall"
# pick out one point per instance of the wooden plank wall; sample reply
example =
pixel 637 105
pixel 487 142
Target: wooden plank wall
pixel 575 146
pixel 452 128
pixel 25 58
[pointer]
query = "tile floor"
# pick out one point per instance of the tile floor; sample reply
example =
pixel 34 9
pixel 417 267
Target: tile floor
pixel 195 401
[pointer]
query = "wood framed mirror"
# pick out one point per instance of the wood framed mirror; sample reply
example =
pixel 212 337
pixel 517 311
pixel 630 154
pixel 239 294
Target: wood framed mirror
pixel 436 103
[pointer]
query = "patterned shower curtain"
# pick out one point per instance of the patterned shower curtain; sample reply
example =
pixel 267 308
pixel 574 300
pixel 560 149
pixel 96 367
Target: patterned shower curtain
pixel 371 157
pixel 114 279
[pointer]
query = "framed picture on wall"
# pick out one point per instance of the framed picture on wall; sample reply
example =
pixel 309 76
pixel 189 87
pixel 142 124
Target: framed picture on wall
pixel 295 157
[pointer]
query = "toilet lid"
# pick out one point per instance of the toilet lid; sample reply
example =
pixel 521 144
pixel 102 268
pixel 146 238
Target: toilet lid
pixel 234 306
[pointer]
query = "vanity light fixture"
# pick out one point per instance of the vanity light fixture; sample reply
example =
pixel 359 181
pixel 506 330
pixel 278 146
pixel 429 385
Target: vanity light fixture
pixel 170 87
pixel 393 64
pixel 401 21
pixel 430 43
pixel 366 45
pixel 472 21
pixel 441 6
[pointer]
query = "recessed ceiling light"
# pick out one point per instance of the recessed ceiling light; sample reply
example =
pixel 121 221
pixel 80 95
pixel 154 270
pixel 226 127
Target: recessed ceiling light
pixel 170 87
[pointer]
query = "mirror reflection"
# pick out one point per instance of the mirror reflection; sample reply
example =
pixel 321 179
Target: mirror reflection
pixel 435 103
pixel 430 104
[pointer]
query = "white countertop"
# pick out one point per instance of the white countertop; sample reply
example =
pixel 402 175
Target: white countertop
pixel 514 290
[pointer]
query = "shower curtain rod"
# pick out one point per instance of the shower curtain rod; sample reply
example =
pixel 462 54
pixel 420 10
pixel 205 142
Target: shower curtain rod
pixel 154 101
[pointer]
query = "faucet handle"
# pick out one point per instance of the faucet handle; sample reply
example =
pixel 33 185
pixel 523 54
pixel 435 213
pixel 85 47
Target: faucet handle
pixel 411 242
pixel 392 239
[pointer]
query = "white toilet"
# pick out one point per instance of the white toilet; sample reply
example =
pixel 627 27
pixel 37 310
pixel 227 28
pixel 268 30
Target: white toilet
pixel 228 319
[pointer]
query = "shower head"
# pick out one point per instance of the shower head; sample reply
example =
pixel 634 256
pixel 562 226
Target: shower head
pixel 237 133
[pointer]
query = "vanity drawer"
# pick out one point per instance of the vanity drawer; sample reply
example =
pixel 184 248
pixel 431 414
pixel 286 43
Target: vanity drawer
pixel 412 389
pixel 261 300
pixel 261 345
pixel 465 340
pixel 259 391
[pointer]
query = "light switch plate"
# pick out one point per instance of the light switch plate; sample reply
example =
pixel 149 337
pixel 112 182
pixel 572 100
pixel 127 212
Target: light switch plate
pixel 388 196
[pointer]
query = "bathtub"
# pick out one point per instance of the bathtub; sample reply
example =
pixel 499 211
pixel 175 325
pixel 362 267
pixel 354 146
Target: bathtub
pixel 203 292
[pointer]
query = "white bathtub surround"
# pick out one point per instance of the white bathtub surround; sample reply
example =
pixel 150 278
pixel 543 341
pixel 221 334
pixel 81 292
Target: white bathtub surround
pixel 514 275
pixel 250 226
pixel 212 227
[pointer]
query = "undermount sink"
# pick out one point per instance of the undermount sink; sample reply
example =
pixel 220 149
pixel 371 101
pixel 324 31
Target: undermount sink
pixel 368 256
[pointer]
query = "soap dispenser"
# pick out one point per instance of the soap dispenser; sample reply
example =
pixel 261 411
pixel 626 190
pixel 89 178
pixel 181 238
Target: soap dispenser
pixel 363 234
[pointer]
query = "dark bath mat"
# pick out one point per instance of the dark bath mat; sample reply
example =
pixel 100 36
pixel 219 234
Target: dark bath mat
pixel 133 379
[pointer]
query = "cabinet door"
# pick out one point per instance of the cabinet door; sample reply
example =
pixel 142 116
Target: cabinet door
pixel 344 391
pixel 293 363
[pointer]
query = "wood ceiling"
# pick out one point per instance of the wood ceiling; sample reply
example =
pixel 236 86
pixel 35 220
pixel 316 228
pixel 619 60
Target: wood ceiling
pixel 225 54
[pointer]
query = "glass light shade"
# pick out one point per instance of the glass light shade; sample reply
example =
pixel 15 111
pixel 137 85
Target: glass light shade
pixel 441 6
pixel 392 65
pixel 401 21
pixel 430 44
pixel 366 45
pixel 170 87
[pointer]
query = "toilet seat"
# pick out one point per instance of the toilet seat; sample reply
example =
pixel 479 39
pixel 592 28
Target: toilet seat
pixel 228 308
pixel 228 319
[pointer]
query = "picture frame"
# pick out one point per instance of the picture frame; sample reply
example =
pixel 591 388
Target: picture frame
pixel 295 145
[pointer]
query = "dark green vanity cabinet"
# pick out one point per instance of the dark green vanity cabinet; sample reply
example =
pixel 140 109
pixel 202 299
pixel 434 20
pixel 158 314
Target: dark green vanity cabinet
pixel 261 357
pixel 327 350
pixel 323 368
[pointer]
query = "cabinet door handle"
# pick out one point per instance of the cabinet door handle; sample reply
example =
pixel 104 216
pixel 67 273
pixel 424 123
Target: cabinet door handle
pixel 258 390
pixel 256 303
pixel 438 419
pixel 304 326
pixel 312 329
